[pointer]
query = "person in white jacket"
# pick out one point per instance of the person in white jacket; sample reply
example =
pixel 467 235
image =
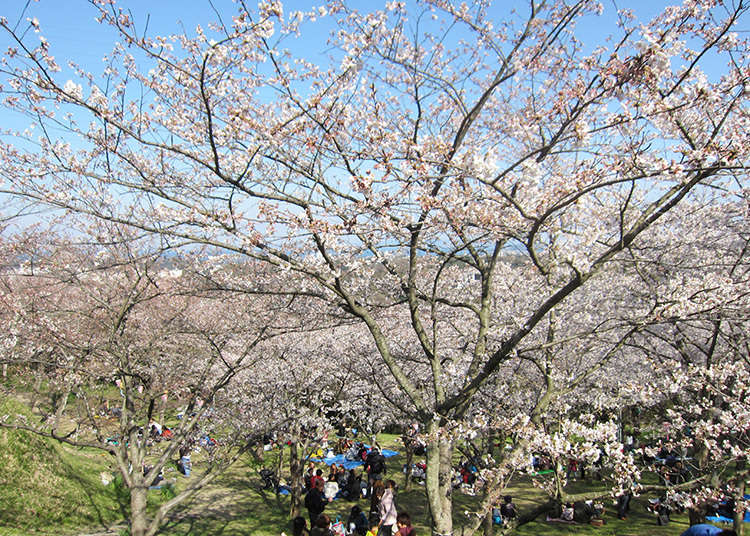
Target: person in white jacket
pixel 387 509
pixel 331 488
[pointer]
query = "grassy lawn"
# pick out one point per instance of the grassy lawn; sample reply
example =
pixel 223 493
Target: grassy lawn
pixel 49 489
pixel 239 507
pixel 43 484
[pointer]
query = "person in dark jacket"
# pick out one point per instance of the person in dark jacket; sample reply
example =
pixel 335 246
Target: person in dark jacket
pixel 357 523
pixel 315 502
pixel 375 467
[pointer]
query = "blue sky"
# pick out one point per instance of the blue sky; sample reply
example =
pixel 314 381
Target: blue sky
pixel 70 26
pixel 71 29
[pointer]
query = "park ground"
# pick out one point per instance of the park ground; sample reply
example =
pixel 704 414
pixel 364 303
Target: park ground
pixel 52 489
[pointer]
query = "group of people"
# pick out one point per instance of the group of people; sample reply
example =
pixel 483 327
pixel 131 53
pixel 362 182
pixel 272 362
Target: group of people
pixel 357 525
pixel 383 516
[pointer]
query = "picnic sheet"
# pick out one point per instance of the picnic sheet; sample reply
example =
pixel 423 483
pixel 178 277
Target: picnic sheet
pixel 722 519
pixel 340 459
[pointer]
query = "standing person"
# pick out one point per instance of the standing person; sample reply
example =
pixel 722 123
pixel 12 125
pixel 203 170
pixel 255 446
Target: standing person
pixel 315 501
pixel 387 509
pixel 623 505
pixel 375 467
pixel 377 494
pixel 404 525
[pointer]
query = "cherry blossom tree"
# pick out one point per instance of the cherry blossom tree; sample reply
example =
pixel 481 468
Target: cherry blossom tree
pixel 95 321
pixel 403 183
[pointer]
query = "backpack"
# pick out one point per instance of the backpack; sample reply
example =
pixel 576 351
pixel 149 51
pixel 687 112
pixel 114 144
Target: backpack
pixel 309 500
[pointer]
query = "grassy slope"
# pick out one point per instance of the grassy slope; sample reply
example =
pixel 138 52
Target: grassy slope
pixel 46 488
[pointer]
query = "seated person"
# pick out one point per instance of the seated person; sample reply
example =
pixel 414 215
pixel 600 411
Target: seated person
pixel 508 509
pixel 331 488
pixel 567 512
pixel 357 522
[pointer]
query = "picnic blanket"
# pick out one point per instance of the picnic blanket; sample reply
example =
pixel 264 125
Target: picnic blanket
pixel 340 459
pixel 722 519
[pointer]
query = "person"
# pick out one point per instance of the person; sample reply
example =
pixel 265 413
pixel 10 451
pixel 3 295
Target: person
pixel 352 453
pixel 567 512
pixel 508 509
pixel 315 501
pixel 322 526
pixel 403 521
pixel 374 524
pixel 387 508
pixel 704 529
pixel 623 505
pixel 375 466
pixel 299 527
pixel 583 512
pixel 184 464
pixel 357 522
pixel 342 477
pixel 318 476
pixel 331 488
pixel 308 478
pixel 377 494
pixel 353 485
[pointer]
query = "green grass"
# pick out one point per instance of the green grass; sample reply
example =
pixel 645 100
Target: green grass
pixel 50 489
pixel 262 513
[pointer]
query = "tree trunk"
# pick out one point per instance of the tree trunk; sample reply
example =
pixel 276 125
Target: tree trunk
pixel 138 520
pixel 739 517
pixel 295 480
pixel 37 397
pixel 62 404
pixel 409 449
pixel 487 524
pixel 163 409
pixel 438 483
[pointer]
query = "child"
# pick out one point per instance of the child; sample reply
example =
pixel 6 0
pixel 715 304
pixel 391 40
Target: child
pixel 374 524
pixel 508 509
pixel 403 522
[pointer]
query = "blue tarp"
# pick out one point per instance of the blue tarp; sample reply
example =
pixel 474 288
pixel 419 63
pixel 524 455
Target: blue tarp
pixel 340 459
pixel 722 519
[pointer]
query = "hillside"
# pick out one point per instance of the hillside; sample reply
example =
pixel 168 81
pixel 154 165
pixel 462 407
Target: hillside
pixel 44 484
